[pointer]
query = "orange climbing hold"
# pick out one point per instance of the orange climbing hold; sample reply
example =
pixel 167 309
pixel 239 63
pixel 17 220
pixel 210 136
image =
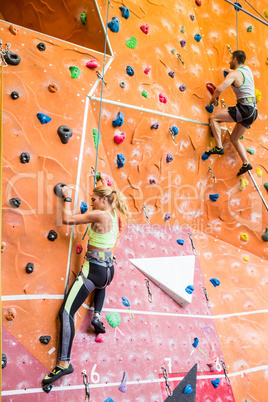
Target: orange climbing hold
pixel 10 313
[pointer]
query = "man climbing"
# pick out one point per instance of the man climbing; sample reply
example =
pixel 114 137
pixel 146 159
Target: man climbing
pixel 240 78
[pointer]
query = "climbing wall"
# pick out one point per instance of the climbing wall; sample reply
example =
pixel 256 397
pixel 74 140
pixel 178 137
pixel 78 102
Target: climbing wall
pixel 174 50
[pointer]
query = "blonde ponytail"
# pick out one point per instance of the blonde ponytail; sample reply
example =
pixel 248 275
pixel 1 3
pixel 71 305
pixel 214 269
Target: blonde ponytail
pixel 113 196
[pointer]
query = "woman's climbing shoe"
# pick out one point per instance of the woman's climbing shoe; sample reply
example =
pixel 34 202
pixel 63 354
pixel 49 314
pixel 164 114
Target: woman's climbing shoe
pixel 215 150
pixel 57 373
pixel 245 167
pixel 98 325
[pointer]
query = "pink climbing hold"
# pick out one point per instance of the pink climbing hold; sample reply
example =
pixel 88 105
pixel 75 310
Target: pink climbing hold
pixel 92 63
pixel 119 138
pixel 99 338
pixel 108 181
pixel 145 28
pixel 79 249
pixel 163 97
pixel 147 70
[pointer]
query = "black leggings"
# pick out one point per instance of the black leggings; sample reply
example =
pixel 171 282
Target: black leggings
pixel 92 276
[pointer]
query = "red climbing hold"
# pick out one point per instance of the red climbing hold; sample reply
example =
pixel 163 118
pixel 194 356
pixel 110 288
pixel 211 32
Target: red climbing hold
pixel 163 97
pixel 211 87
pixel 198 2
pixel 79 249
pixel 92 63
pixel 145 28
pixel 147 70
pixel 119 138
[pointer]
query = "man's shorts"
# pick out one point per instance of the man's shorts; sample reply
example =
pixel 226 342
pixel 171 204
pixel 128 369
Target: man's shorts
pixel 243 114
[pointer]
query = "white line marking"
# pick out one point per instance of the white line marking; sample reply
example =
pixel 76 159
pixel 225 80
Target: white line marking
pixel 51 350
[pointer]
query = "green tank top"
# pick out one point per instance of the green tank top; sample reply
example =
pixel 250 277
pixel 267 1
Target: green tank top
pixel 104 240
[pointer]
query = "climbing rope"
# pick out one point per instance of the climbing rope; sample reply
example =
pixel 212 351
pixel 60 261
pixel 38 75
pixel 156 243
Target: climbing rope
pixel 236 12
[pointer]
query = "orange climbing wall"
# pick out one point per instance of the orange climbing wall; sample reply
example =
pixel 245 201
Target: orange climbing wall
pixel 182 187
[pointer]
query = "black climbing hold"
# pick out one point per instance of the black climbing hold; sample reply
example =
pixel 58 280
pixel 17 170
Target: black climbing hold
pixel 58 190
pixel 15 95
pixel 15 202
pixel 41 46
pixel 52 235
pixel 178 395
pixel 12 58
pixel 24 157
pixel 4 360
pixel 65 134
pixel 45 339
pixel 47 388
pixel 29 267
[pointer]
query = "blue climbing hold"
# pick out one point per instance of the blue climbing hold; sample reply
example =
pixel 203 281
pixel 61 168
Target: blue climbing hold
pixel 125 12
pixel 205 157
pixel 114 25
pixel 119 120
pixel 188 389
pixel 225 73
pixel 209 109
pixel 109 400
pixel 196 340
pixel 83 207
pixel 175 130
pixel 238 8
pixel 197 37
pixel 125 301
pixel 215 383
pixel 189 289
pixel 130 71
pixel 43 118
pixel 214 197
pixel 215 282
pixel 120 160
pixel 180 241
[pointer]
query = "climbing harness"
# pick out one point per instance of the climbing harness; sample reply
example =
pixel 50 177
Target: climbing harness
pixel 225 372
pixel 192 241
pixel 146 213
pixel 150 296
pixel 86 383
pixel 165 374
pixel 206 296
pixel 212 174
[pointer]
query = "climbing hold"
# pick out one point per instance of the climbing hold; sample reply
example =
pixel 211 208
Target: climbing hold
pixel 14 29
pixel 182 29
pixel 243 183
pixel 129 71
pixel 58 189
pixel 144 93
pixel 215 282
pixel 192 17
pixel 249 28
pixel 3 247
pixel 257 95
pixel 189 289
pixel 125 301
pixel 119 138
pixel 75 72
pixel 145 28
pixel 225 73
pixel 183 42
pixel 99 338
pixel 120 160
pixel 123 386
pixel 79 249
pixel 10 314
pixel 113 319
pixel 152 181
pixel 52 88
pixel 125 12
pixel 188 389
pixel 171 74
pixel 4 360
pixel 24 157
pixel 45 339
pixel 43 118
pixel 122 84
pixel 29 267
pixel 266 186
pixel 65 133
pixel 47 388
pixel 182 88
pixel 212 364
pixel 169 158
pixel 114 25
pixel 12 58
pixel 215 383
pixel 96 137
pixel 211 87
pixel 180 241
pixel 109 399
pixel 214 197
pixel 173 51
pixel 237 6
pixel 196 341
pixel 119 120
pixel 265 235
pixel 250 151
pixel 266 13
pixel 259 172
pixel 92 63
pixel 205 157
pixel 41 46
pixel 147 70
pixel 131 42
pixel 163 97
pixel 244 237
pixel 167 217
pixel 242 137
pixel 83 207
pixel 109 183
pixel 198 2
pixel 15 202
pixel 174 130
pixel 52 235
pixel 83 18
pixel 15 95
pixel 155 126
pixel 209 109
pixel 246 258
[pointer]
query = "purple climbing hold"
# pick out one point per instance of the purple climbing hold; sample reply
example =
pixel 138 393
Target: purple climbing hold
pixel 205 157
pixel 167 217
pixel 43 118
pixel 123 386
pixel 114 25
pixel 155 126
pixel 171 74
pixel 215 383
pixel 180 241
pixel 182 88
pixel 183 42
pixel 192 17
pixel 169 158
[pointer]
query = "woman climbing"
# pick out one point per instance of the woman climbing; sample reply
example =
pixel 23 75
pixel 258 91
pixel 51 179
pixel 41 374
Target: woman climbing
pixel 97 271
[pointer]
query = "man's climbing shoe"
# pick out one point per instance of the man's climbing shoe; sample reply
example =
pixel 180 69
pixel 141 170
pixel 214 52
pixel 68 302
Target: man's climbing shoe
pixel 57 373
pixel 215 150
pixel 98 325
pixel 245 167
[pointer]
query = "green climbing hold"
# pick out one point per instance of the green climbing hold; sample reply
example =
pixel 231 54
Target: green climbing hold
pixel 266 186
pixel 241 138
pixel 75 72
pixel 173 51
pixel 83 18
pixel 250 151
pixel 96 137
pixel 265 235
pixel 113 319
pixel 131 42
pixel 182 29
pixel 249 28
pixel 144 93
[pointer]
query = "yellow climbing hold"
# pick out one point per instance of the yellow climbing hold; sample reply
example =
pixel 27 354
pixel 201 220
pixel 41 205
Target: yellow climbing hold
pixel 244 237
pixel 266 13
pixel 246 258
pixel 257 95
pixel 243 184
pixel 259 172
